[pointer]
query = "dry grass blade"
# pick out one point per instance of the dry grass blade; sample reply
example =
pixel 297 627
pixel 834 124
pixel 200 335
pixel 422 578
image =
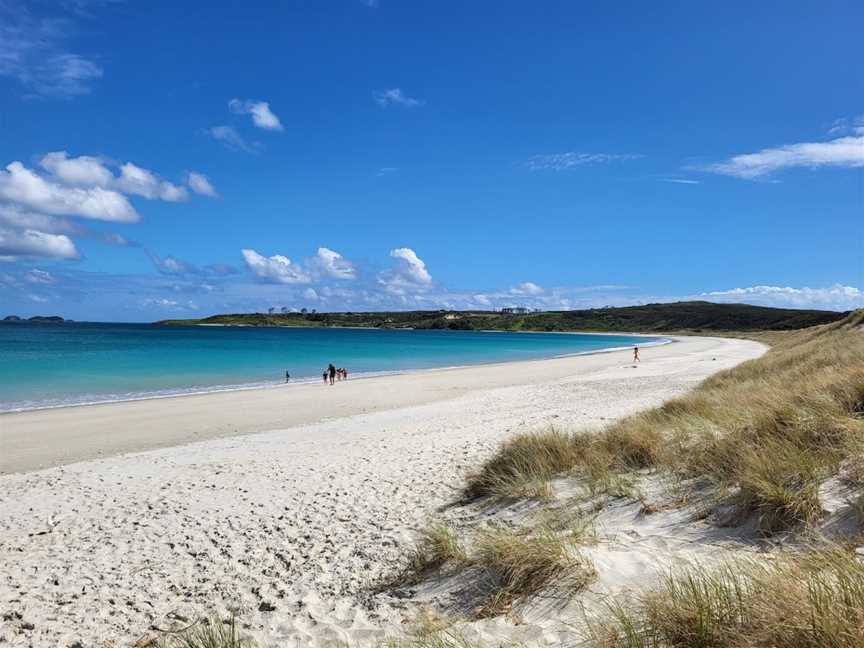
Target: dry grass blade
pixel 810 601
pixel 521 565
pixel 208 633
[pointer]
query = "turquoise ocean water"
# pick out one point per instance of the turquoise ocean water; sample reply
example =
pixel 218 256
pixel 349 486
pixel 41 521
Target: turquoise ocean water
pixel 48 365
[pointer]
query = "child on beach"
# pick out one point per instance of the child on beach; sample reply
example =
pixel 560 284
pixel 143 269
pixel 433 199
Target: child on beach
pixel 636 354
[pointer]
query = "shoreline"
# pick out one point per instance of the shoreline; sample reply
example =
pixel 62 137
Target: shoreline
pixel 282 506
pixel 37 439
pixel 218 389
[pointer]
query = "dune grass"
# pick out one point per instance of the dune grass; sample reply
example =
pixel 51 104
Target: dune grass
pixel 209 632
pixel 761 436
pixel 436 545
pixel 520 565
pixel 810 601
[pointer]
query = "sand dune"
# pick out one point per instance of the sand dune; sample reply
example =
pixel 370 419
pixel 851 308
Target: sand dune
pixel 287 526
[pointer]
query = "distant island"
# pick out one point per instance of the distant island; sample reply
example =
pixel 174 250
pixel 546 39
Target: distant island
pixel 37 319
pixel 680 316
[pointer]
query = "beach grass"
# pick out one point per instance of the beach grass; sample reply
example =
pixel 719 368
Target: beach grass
pixel 519 564
pixel 436 545
pixel 760 437
pixel 209 632
pixel 814 600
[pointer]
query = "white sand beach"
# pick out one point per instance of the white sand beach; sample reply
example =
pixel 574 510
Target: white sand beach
pixel 282 504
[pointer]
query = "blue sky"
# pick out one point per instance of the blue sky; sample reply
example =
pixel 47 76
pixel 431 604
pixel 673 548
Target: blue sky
pixel 180 159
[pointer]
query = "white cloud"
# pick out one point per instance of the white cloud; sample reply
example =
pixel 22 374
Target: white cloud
pixel 275 269
pixel 32 51
pixel 842 152
pixel 836 297
pixel 333 264
pixel 310 294
pixel 526 288
pixel 20 185
pixel 410 274
pixel 573 159
pixel 200 184
pixel 683 181
pixel 262 116
pixel 395 97
pixel 414 266
pixel 83 171
pixel 141 182
pixel 15 243
pixel 232 140
pixel 19 218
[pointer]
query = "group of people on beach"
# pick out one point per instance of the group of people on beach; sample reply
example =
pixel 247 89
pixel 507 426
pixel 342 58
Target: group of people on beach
pixel 332 374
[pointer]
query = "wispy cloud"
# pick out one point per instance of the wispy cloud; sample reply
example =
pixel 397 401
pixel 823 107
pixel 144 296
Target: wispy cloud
pixel 200 184
pixel 841 152
pixel 684 181
pixel 260 112
pixel 574 159
pixel 33 50
pixel 396 97
pixel 232 140
pixel 836 297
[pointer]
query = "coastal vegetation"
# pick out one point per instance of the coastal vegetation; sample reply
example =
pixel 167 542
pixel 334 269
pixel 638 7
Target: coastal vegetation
pixel 759 446
pixel 760 437
pixel 693 316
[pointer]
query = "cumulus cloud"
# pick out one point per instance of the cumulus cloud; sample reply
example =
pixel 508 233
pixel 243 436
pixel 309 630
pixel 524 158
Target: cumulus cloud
pixel 83 171
pixel 395 97
pixel 20 185
pixel 260 111
pixel 88 171
pixel 409 275
pixel 274 269
pixel 141 182
pixel 28 242
pixel 332 264
pixel 200 184
pixel 526 288
pixel 573 159
pixel 836 297
pixel 413 266
pixel 232 140
pixel 841 152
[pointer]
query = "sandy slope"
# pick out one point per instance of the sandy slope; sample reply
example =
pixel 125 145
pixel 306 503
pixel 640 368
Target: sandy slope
pixel 299 519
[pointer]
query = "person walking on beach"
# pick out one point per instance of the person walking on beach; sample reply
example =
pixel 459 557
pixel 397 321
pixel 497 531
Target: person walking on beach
pixel 287 376
pixel 326 373
pixel 332 371
pixel 636 354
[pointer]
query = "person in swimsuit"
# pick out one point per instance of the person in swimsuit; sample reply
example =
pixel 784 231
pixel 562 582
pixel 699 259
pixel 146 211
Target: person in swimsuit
pixel 636 354
pixel 332 371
